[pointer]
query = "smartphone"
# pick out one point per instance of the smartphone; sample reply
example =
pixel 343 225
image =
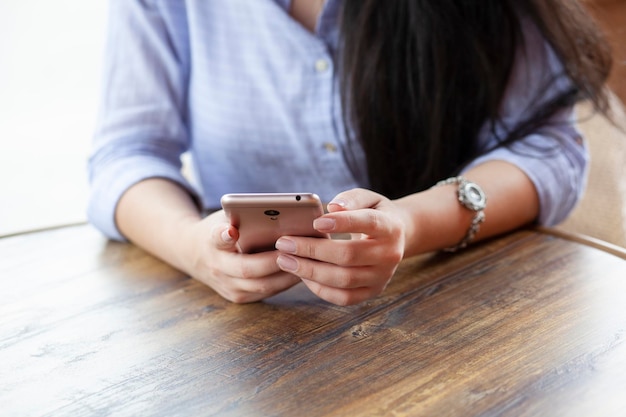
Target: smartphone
pixel 264 217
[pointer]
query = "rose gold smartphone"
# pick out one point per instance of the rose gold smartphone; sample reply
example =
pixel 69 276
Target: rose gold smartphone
pixel 263 218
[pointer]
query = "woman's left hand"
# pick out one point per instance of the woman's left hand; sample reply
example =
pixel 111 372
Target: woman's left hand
pixel 347 272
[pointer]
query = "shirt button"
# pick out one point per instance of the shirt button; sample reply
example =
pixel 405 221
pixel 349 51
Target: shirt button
pixel 330 147
pixel 321 65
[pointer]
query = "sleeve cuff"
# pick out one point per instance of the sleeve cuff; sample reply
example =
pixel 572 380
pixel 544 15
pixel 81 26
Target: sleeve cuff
pixel 107 188
pixel 559 174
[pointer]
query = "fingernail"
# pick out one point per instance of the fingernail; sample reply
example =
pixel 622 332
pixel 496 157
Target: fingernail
pixel 287 263
pixel 324 224
pixel 286 245
pixel 226 237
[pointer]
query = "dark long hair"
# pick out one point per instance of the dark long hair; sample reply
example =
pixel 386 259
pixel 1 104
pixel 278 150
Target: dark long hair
pixel 420 78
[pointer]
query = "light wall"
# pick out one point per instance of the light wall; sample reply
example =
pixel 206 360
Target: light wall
pixel 50 57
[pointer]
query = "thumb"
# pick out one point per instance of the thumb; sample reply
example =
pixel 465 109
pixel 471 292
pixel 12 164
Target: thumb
pixel 355 199
pixel 225 238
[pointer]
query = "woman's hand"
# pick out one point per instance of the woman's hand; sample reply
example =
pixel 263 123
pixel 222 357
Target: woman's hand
pixel 347 272
pixel 212 258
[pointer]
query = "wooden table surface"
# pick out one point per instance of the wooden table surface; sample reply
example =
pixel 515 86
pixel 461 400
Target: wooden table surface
pixel 525 325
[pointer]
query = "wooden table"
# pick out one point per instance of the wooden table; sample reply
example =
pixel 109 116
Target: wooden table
pixel 525 325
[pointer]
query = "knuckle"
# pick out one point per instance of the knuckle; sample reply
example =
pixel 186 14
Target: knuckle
pixel 343 301
pixel 338 297
pixel 373 218
pixel 338 281
pixel 237 297
pixel 213 271
pixel 390 252
pixel 394 256
pixel 246 271
pixel 311 251
pixel 305 269
pixel 346 279
pixel 348 298
pixel 264 288
pixel 376 221
pixel 347 256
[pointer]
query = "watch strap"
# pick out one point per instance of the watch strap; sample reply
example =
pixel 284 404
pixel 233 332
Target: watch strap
pixel 479 216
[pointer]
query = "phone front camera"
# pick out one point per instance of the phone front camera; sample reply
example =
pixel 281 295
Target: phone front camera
pixel 298 198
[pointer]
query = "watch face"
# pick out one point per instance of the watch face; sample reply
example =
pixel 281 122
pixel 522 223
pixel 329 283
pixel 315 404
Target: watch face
pixel 472 196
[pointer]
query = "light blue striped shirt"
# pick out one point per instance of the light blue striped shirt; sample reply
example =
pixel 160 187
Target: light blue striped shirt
pixel 253 97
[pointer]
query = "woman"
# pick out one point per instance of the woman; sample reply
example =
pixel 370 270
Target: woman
pixel 367 103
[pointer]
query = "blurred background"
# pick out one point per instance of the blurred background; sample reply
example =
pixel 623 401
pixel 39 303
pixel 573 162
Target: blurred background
pixel 50 58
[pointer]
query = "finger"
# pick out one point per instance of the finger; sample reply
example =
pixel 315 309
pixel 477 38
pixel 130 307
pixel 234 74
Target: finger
pixel 341 296
pixel 374 223
pixel 354 199
pixel 224 237
pixel 247 266
pixel 329 274
pixel 345 253
pixel 247 286
pixel 221 234
pixel 257 289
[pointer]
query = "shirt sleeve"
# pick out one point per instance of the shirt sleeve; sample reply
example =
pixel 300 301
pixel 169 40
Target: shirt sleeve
pixel 140 132
pixel 555 156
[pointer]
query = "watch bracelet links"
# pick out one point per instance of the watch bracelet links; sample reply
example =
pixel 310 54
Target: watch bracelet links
pixel 478 218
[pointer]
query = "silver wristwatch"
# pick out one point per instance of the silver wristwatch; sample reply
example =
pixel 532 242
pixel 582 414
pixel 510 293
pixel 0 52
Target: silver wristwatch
pixel 472 197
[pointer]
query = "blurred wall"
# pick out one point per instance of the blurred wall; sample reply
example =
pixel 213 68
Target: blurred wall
pixel 611 16
pixel 50 57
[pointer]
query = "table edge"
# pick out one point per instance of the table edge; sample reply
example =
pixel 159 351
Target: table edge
pixel 583 239
pixel 43 229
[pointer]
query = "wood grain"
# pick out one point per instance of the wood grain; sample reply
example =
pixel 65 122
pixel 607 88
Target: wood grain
pixel 525 325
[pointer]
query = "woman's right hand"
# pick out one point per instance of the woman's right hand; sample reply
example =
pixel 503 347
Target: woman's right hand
pixel 161 217
pixel 210 250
